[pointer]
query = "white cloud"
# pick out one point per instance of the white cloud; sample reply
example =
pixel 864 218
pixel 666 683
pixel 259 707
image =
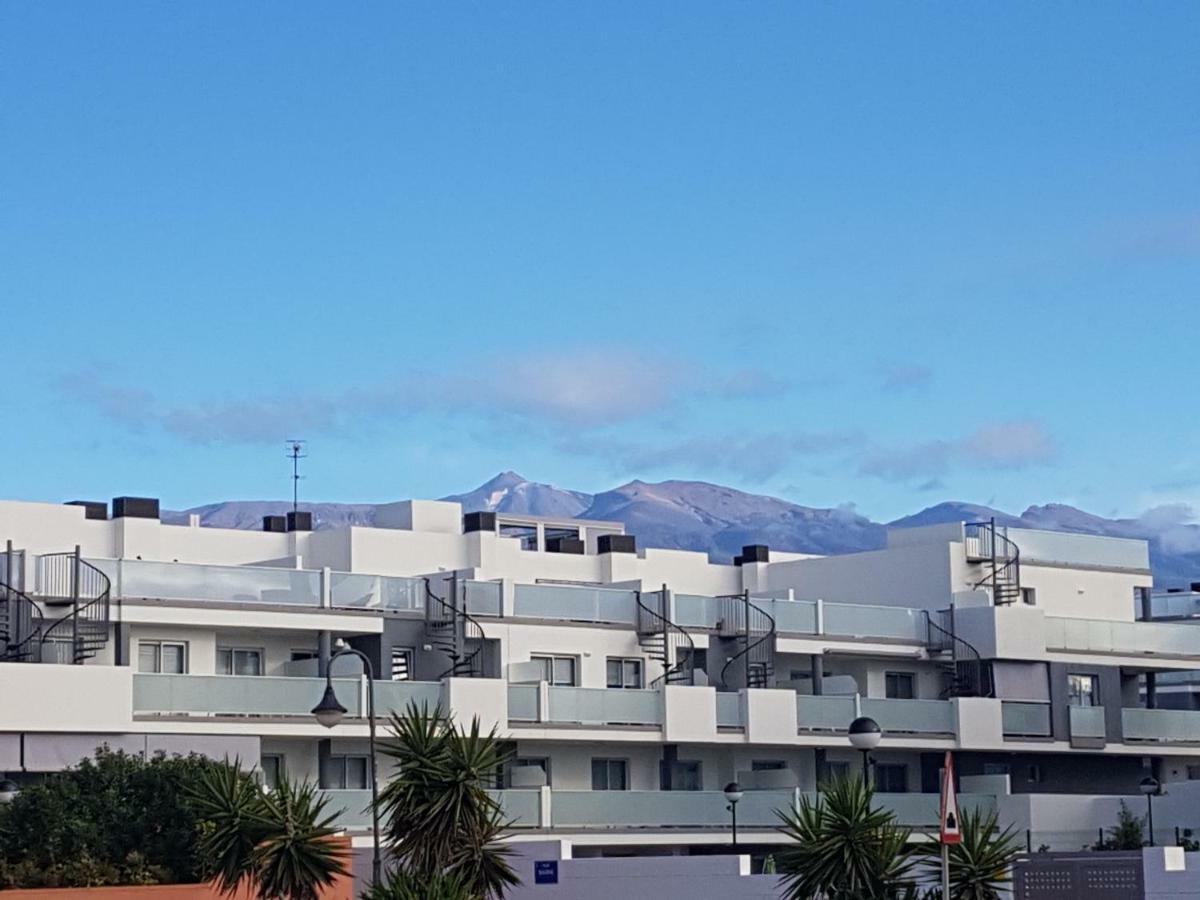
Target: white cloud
pixel 1015 444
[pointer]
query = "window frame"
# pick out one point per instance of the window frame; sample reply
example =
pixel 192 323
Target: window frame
pixel 233 650
pixel 624 662
pixel 899 677
pixel 608 762
pixel 341 760
pixel 402 652
pixel 158 645
pixel 280 769
pixel 554 658
pixel 892 768
pixel 1074 678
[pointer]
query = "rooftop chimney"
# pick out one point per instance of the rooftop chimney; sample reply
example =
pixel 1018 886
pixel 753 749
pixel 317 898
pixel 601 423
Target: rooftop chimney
pixel 479 521
pixel 616 543
pixel 135 507
pixel 756 553
pixel 275 523
pixel 92 509
pixel 299 521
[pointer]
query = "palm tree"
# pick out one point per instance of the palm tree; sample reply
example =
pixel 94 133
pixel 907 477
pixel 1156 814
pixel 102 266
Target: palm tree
pixel 440 817
pixel 403 885
pixel 843 849
pixel 981 863
pixel 278 843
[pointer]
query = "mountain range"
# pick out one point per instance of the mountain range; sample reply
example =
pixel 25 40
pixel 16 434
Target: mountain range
pixel 696 515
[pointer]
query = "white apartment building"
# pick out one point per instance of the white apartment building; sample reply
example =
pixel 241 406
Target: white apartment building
pixel 632 683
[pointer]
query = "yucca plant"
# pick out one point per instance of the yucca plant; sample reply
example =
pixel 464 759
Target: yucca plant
pixel 439 815
pixel 404 885
pixel 981 863
pixel 843 848
pixel 278 844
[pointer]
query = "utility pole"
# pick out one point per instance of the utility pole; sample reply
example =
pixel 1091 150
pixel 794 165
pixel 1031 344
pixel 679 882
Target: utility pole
pixel 295 454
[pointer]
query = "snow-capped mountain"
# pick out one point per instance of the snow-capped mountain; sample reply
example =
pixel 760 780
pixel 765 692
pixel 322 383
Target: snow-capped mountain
pixel 696 515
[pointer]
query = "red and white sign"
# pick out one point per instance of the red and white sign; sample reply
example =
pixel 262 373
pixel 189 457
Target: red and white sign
pixel 949 831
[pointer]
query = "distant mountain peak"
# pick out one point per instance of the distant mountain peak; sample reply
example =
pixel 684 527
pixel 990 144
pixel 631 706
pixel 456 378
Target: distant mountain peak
pixel 719 520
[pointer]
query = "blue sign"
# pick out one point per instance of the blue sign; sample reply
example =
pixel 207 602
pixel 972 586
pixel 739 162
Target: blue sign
pixel 545 872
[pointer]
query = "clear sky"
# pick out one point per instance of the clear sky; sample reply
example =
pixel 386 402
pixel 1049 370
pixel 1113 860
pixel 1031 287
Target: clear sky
pixel 885 254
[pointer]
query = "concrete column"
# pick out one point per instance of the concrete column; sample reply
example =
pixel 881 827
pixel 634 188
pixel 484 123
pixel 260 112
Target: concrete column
pixel 818 674
pixel 1151 690
pixel 324 651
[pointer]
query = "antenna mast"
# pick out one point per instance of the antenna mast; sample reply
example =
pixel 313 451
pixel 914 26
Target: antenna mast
pixel 295 454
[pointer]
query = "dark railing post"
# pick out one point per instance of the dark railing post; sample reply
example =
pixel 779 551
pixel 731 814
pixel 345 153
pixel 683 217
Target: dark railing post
pixel 746 631
pixel 75 573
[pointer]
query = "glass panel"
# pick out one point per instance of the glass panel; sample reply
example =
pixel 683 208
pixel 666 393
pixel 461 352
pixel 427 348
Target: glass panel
pixel 272 769
pixel 356 772
pixel 820 713
pixel 618 775
pixel 854 620
pixel 564 670
pixel 147 657
pixel 523 702
pixel 599 706
pixel 482 597
pixel 1086 721
pixel 729 709
pixel 173 659
pixel 267 695
pixel 614 673
pixel 397 696
pixel 1025 719
pixel 247 662
pixel 333 773
pixel 225 584
pixel 910 716
pixel 359 591
pixel 1162 726
pixel 633 673
pixel 581 604
pixel 599 775
pixel 224 662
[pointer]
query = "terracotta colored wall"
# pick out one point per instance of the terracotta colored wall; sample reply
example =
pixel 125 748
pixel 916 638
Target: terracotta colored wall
pixel 341 889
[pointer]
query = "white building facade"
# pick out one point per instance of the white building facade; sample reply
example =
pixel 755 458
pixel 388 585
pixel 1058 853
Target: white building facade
pixel 632 684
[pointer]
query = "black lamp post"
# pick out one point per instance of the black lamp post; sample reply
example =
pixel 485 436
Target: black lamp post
pixel 329 712
pixel 865 734
pixel 733 793
pixel 1149 786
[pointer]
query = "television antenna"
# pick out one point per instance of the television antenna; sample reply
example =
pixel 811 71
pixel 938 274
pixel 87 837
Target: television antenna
pixel 295 452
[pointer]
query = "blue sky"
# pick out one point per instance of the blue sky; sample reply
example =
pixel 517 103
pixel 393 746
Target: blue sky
pixel 885 254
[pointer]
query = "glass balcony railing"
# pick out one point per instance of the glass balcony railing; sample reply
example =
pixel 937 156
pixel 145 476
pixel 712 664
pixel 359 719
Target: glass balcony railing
pixel 827 713
pixel 352 808
pixel 603 706
pixel 349 590
pixel 1161 726
pixel 269 695
pixel 483 598
pixel 578 604
pixel 238 695
pixel 142 579
pixel 729 710
pixel 855 620
pixel 523 702
pixel 1132 638
pixel 1086 721
pixel 1021 719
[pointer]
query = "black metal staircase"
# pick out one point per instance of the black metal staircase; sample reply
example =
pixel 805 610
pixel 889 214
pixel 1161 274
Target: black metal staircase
pixel 1000 558
pixel 965 672
pixel 753 631
pixel 448 628
pixel 66 580
pixel 21 620
pixel 663 640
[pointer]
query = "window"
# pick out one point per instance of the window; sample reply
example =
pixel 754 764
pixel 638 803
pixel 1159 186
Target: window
pixel 526 534
pixel 1033 774
pixel 166 657
pixel 891 778
pixel 685 776
pixel 1193 773
pixel 610 775
pixel 342 773
pixel 526 762
pixel 995 768
pixel 272 769
pixel 239 661
pixel 1029 596
pixel 402 663
pixel 1083 690
pixel 624 673
pixel 767 765
pixel 556 670
pixel 898 686
pixel 302 655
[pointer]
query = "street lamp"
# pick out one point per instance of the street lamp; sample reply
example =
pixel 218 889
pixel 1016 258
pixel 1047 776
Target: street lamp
pixel 865 734
pixel 733 793
pixel 329 712
pixel 1149 786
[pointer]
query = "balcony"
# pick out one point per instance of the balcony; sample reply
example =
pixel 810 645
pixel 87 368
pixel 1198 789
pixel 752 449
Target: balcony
pixel 933 718
pixel 142 579
pixel 700 810
pixel 575 604
pixel 1086 726
pixel 584 706
pixel 1025 720
pixel 267 695
pixel 1127 638
pixel 807 617
pixel 1161 726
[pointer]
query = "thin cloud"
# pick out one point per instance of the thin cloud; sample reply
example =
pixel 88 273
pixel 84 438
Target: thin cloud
pixel 564 390
pixel 899 378
pixel 1009 445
